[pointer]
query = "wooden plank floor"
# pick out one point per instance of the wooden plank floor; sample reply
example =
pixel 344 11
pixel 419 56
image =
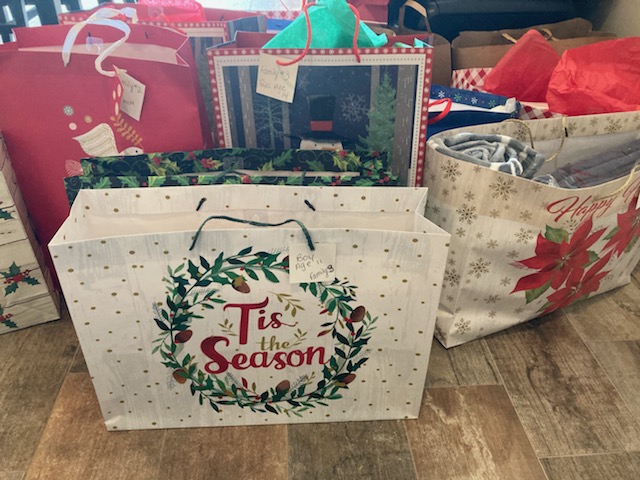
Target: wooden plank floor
pixel 556 399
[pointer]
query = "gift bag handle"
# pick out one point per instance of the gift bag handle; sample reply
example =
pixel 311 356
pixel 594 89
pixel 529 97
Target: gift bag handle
pixel 418 8
pixel 546 33
pixel 108 17
pixel 304 229
pixel 445 111
pixel 305 10
pixel 528 129
pixel 623 187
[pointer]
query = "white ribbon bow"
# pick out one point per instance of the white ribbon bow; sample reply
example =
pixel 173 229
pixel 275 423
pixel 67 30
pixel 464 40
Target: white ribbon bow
pixel 106 17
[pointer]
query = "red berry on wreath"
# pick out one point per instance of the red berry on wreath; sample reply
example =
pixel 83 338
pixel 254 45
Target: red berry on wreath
pixel 240 285
pixel 349 378
pixel 283 386
pixel 179 376
pixel 358 314
pixel 183 336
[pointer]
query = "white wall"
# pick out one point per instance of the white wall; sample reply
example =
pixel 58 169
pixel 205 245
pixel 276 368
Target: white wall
pixel 621 17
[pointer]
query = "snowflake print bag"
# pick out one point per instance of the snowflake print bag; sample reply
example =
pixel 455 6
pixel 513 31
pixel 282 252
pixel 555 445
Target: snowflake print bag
pixel 53 114
pixel 252 304
pixel 522 248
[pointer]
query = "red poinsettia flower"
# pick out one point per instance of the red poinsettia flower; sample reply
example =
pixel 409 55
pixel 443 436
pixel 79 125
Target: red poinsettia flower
pixel 555 261
pixel 579 285
pixel 629 228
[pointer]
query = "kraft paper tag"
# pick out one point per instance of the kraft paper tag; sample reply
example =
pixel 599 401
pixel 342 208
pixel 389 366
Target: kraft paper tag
pixel 276 81
pixel 307 266
pixel 132 94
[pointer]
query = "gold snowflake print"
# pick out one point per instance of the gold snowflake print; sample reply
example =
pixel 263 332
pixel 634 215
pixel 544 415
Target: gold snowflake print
pixel 479 235
pixel 536 187
pixel 451 262
pixel 469 196
pixel 513 254
pixel 445 192
pixel 461 232
pixel 571 128
pixel 436 210
pixel 476 169
pixel 518 310
pixel 593 122
pixel 492 299
pixel 462 326
pixel 492 314
pixel 521 133
pixel 451 171
pixel 467 213
pixel 452 277
pixel 524 236
pixel 492 244
pixel 613 126
pixel 450 298
pixel 505 282
pixel 479 267
pixel 636 118
pixel 494 213
pixel 503 188
pixel 432 176
pixel 525 215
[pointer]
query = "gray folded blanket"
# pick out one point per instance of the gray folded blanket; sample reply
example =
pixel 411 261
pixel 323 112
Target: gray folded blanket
pixel 497 152
pixel 595 170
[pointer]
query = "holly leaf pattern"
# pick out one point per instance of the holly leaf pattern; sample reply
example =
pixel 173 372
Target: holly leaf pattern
pixel 5 214
pixel 31 281
pixel 556 235
pixel 10 288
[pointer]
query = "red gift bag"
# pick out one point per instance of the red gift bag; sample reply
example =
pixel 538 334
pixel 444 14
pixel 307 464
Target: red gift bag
pixel 53 114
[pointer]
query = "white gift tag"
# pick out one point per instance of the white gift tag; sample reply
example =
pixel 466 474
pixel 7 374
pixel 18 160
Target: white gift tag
pixel 276 81
pixel 132 94
pixel 312 266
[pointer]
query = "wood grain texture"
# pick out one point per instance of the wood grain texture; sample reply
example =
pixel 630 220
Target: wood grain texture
pixel 76 445
pixel 228 452
pixel 354 451
pixel 34 363
pixel 470 433
pixel 11 475
pixel 612 316
pixel 622 466
pixel 468 364
pixel 621 362
pixel 564 399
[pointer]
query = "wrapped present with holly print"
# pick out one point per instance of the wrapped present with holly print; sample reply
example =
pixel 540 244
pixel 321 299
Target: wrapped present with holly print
pixel 233 166
pixel 26 295
pixel 252 304
pixel 522 248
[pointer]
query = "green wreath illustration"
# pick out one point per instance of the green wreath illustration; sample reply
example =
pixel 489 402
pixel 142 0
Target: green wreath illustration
pixel 192 285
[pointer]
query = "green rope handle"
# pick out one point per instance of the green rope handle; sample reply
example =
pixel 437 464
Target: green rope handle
pixel 306 233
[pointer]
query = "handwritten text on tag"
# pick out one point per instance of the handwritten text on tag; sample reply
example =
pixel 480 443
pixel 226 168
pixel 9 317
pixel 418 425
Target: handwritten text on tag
pixel 276 81
pixel 308 266
pixel 132 95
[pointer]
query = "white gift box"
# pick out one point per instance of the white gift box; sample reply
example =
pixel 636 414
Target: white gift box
pixel 26 294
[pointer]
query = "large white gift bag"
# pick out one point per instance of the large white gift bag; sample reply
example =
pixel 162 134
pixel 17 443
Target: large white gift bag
pixel 520 248
pixel 250 325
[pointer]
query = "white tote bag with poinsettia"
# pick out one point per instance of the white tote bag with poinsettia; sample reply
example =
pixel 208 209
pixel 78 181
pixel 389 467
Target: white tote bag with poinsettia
pixel 521 249
pixel 248 304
